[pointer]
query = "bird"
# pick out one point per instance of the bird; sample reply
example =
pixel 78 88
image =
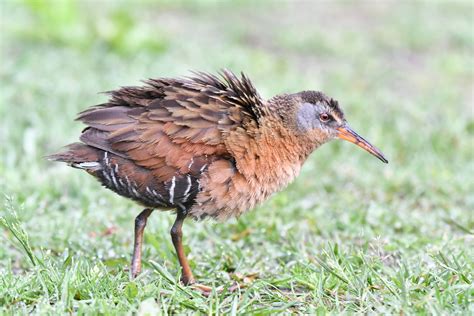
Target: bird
pixel 203 145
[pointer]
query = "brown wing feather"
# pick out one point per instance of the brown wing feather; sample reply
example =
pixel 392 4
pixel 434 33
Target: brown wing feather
pixel 173 126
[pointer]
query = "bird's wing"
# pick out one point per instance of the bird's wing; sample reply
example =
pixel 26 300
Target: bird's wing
pixel 173 126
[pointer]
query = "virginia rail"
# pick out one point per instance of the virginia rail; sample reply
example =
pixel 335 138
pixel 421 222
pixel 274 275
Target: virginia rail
pixel 205 146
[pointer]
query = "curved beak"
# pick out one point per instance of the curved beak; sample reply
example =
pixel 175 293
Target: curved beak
pixel 346 133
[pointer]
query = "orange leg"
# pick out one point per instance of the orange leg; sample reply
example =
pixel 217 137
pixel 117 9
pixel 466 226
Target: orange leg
pixel 187 277
pixel 176 236
pixel 140 223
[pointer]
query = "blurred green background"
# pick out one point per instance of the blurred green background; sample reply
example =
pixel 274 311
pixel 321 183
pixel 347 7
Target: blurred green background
pixel 350 235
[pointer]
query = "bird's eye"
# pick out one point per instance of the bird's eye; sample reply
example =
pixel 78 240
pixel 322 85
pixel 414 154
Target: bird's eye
pixel 324 117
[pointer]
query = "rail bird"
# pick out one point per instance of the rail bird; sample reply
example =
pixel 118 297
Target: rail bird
pixel 206 146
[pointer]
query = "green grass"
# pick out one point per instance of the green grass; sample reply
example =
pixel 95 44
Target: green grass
pixel 349 235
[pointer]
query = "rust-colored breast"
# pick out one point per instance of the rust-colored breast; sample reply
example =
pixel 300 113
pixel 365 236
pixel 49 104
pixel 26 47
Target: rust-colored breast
pixel 264 164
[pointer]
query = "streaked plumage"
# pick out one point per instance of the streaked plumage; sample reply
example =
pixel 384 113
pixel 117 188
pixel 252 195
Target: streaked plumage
pixel 207 146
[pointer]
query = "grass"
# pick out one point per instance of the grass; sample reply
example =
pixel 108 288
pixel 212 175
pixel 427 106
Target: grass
pixel 350 235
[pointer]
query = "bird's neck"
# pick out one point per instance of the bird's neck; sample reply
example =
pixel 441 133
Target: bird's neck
pixel 270 157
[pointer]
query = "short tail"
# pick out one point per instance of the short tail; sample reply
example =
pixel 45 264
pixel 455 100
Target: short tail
pixel 79 155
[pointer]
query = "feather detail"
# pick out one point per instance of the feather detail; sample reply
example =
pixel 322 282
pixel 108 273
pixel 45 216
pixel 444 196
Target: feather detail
pixel 208 143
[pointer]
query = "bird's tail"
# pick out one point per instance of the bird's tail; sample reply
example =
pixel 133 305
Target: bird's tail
pixel 78 155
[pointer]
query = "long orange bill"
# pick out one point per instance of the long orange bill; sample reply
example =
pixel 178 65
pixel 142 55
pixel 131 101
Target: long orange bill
pixel 346 133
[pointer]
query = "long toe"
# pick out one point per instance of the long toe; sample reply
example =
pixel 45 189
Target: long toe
pixel 204 289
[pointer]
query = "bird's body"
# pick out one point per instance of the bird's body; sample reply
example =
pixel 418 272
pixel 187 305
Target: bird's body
pixel 206 146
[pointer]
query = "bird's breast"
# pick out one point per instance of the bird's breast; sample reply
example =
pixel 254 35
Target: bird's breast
pixel 258 169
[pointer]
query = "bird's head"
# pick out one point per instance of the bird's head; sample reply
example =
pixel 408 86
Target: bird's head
pixel 320 119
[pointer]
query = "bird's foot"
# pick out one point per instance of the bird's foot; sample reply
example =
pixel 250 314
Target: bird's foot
pixel 207 290
pixel 204 289
pixel 134 274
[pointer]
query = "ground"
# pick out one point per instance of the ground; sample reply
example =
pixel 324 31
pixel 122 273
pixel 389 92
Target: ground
pixel 349 235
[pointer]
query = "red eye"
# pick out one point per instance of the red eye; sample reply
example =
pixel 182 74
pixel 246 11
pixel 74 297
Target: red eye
pixel 324 117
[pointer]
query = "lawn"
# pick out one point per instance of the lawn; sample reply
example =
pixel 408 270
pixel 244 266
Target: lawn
pixel 350 235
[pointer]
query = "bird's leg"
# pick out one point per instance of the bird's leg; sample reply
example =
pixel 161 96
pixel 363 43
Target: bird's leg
pixel 187 277
pixel 140 223
pixel 176 236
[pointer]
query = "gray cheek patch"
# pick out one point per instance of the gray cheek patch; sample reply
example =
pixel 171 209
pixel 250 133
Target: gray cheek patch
pixel 308 117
